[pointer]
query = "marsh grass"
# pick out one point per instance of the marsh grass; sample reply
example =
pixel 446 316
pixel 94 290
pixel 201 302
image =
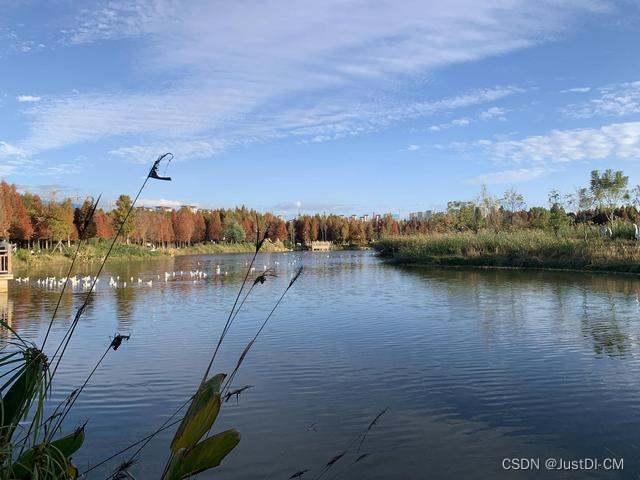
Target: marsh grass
pixel 521 249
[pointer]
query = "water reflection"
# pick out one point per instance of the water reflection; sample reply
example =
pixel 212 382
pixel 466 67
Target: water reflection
pixel 600 323
pixel 6 312
pixel 475 365
pixel 125 303
pixel 604 304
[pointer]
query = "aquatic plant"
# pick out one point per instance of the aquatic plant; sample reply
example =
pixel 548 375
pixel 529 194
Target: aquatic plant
pixel 41 453
pixel 525 249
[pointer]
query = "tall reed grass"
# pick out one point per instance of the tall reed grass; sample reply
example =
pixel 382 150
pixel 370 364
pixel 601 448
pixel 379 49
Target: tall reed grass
pixel 524 249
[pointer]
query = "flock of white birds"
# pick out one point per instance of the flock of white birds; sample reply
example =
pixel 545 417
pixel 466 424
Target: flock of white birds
pixel 89 282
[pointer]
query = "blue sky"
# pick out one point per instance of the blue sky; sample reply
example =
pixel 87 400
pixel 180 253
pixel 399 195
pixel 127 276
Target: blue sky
pixel 338 106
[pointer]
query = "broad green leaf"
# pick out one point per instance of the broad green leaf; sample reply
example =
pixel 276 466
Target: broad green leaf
pixel 202 413
pixel 59 451
pixel 205 455
pixel 19 397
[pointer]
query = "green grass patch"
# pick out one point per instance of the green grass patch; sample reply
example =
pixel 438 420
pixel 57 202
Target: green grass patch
pixel 95 251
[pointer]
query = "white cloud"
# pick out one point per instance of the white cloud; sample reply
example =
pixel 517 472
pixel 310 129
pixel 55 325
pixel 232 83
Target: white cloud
pixel 577 90
pixel 6 170
pixel 618 140
pixel 7 150
pixel 509 176
pixel 231 87
pixel 162 202
pixel 28 98
pixel 199 129
pixel 614 100
pixel 297 206
pixel 489 114
pixel 461 122
pixel 493 112
pixel 413 148
pixel 182 150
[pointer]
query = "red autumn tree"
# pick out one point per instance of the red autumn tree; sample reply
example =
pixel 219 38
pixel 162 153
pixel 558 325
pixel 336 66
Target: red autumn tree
pixel 199 228
pixel 183 226
pixel 104 229
pixel 214 229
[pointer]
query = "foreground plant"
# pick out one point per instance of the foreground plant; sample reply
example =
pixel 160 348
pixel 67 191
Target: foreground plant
pixel 44 459
pixel 39 452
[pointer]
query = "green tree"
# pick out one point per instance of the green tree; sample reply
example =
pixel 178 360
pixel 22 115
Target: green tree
pixel 540 217
pixel 478 219
pixel 583 202
pixel 609 190
pixel 462 213
pixel 233 231
pixel 61 221
pixel 119 214
pixel 512 201
pixel 558 218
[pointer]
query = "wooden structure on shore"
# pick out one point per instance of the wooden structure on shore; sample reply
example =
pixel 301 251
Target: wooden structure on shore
pixel 319 246
pixel 6 271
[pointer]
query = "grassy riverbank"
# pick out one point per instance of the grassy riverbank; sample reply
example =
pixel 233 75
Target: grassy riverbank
pixel 524 249
pixel 96 251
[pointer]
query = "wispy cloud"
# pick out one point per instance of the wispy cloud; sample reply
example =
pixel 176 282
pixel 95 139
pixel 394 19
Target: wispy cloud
pixel 297 206
pixel 6 170
pixel 189 149
pixel 613 100
pixel 509 176
pixel 28 98
pixel 201 129
pixel 231 88
pixel 491 113
pixel 617 140
pixel 576 90
pixel 8 150
pixel 163 202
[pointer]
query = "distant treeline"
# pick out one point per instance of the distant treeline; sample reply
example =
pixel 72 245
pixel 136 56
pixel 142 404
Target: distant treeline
pixel 31 222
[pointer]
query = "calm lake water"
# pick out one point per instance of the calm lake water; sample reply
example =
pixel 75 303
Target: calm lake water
pixel 474 365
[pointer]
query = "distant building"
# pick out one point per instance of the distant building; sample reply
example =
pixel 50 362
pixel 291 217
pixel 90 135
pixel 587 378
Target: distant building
pixel 425 215
pixel 377 217
pixel 364 218
pixel 354 217
pixel 160 208
pixel 191 208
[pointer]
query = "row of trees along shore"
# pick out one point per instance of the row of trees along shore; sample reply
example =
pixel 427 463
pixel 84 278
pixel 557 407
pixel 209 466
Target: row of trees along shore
pixel 32 222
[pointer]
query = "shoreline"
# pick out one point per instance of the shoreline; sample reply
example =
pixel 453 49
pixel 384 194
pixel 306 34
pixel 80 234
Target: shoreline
pixel 516 251
pixel 471 266
pixel 94 253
